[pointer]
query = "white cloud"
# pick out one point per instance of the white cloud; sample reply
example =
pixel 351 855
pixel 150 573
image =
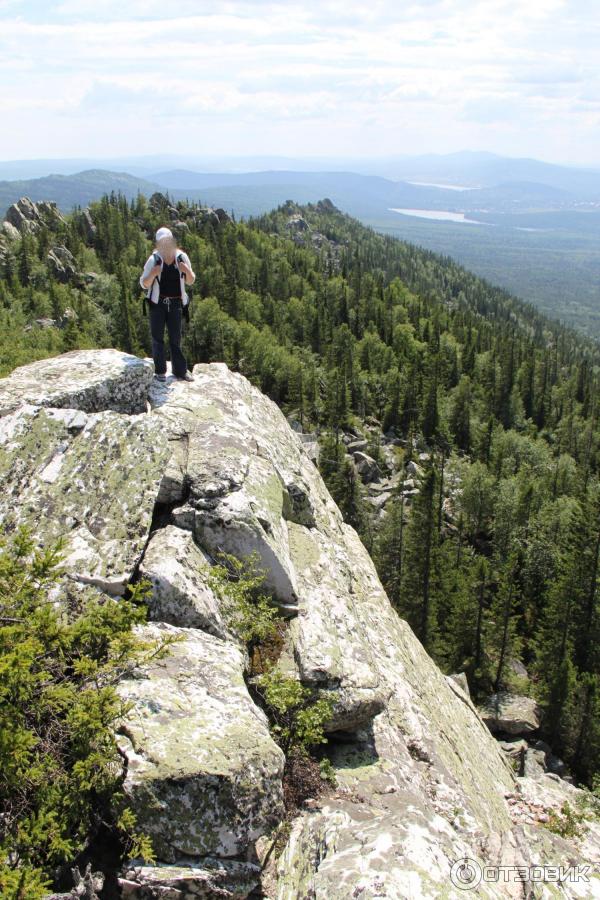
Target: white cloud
pixel 432 74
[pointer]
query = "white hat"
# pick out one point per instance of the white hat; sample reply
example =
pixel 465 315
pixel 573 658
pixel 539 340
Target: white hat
pixel 163 233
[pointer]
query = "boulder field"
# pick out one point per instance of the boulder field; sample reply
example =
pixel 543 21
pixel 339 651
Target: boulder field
pixel 154 479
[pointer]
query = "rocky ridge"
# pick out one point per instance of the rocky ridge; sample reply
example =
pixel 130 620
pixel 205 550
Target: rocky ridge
pixel 26 217
pixel 154 479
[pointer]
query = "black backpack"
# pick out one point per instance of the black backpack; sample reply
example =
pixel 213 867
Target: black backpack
pixel 148 291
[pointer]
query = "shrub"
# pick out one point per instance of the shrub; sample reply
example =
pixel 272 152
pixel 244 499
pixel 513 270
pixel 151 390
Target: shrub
pixel 297 718
pixel 249 611
pixel 569 822
pixel 60 767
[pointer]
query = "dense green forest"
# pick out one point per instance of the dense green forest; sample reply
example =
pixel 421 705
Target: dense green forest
pixel 496 558
pixel 552 258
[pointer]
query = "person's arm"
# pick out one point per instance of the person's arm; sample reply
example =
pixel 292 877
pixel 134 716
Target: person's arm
pixel 151 271
pixel 185 266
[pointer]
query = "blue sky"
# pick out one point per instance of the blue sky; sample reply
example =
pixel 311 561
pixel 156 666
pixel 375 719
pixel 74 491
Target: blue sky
pixel 329 78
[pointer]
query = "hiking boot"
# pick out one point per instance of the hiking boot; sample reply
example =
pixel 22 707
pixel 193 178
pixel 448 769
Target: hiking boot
pixel 187 377
pixel 161 377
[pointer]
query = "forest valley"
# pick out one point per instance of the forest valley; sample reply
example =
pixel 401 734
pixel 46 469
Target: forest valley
pixel 477 416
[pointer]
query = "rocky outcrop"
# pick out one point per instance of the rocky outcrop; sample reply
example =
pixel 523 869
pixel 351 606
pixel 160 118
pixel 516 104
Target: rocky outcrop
pixel 27 216
pixel 85 380
pixel 299 230
pixel 510 713
pixel 8 231
pixel 62 264
pixel 203 773
pixel 159 203
pixel 213 466
pixel 89 227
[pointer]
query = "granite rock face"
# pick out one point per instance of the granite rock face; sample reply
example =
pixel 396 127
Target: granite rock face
pixel 158 491
pixel 86 380
pixel 88 478
pixel 203 774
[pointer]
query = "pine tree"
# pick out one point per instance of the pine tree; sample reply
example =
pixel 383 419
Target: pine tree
pixel 417 602
pixel 430 418
pixel 460 418
pixel 502 638
pixel 389 548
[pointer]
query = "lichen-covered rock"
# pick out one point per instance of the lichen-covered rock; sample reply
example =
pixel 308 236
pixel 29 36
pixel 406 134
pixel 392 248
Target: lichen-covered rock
pixel 352 851
pixel 421 781
pixel 209 878
pixel 203 773
pixel 250 487
pixel 88 380
pixel 178 570
pixel 510 713
pixel 90 479
pixel 546 793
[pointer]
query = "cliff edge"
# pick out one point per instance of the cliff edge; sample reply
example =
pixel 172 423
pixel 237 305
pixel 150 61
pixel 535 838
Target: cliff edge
pixel 155 479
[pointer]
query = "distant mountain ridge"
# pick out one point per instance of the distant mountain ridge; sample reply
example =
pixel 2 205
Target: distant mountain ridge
pixel 488 170
pixel 472 168
pixel 71 190
pixel 540 240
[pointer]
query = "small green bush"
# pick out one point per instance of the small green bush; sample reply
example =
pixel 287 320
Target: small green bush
pixel 297 718
pixel 249 611
pixel 568 822
pixel 60 768
pixel 327 771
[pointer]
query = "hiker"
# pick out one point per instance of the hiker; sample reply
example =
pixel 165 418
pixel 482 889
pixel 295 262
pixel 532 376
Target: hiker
pixel 166 273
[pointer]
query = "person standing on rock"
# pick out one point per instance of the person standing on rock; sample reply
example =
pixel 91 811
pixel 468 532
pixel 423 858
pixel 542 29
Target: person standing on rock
pixel 166 273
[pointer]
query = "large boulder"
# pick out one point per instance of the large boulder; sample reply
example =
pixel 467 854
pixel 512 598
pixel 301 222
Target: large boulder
pixel 366 466
pixel 178 570
pixel 90 479
pixel 87 380
pixel 212 878
pixel 203 773
pixel 62 264
pixel 78 461
pixel 510 713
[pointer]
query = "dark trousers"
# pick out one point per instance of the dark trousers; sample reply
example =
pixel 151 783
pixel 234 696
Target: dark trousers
pixel 169 313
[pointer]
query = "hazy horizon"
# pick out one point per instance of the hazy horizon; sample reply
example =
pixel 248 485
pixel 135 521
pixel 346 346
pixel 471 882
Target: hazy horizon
pixel 306 80
pixel 256 163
